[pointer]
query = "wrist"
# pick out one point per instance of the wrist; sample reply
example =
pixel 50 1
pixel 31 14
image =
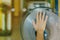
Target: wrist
pixel 40 31
pixel 40 36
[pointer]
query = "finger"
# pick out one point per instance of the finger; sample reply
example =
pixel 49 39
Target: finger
pixel 40 16
pixel 46 19
pixel 37 18
pixel 44 25
pixel 34 25
pixel 43 16
pixel 33 22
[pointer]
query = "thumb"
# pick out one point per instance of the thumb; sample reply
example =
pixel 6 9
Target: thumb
pixel 33 22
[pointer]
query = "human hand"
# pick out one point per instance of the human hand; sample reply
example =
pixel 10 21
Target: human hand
pixel 40 24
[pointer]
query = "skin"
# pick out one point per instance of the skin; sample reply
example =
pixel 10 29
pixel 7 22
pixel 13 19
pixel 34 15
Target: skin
pixel 40 25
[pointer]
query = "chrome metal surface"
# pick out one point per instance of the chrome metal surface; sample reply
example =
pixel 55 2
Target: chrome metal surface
pixel 53 25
